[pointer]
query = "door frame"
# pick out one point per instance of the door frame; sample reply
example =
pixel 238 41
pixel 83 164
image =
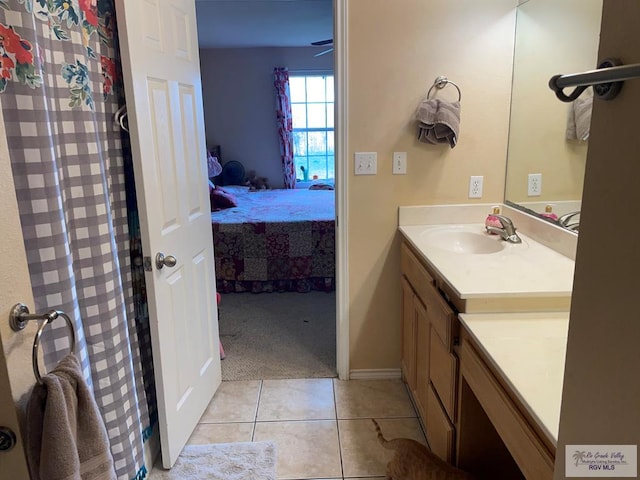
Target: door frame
pixel 16 371
pixel 340 27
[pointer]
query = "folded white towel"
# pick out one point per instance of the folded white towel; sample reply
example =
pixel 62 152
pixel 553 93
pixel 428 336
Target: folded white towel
pixel 579 117
pixel 438 121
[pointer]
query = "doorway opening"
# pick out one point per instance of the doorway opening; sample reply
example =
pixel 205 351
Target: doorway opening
pixel 272 327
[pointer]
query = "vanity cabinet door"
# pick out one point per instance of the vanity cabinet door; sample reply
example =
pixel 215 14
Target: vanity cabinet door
pixel 423 331
pixel 440 431
pixel 441 405
pixel 443 373
pixel 408 335
pixel 415 272
pixel 415 346
pixel 441 316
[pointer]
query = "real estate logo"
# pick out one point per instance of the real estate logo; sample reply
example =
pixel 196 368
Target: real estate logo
pixel 601 461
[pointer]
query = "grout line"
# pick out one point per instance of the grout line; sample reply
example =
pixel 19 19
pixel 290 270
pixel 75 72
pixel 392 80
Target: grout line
pixel 276 420
pixel 297 420
pixel 335 408
pixel 225 422
pixel 415 409
pixel 255 418
pixel 388 417
pixel 336 419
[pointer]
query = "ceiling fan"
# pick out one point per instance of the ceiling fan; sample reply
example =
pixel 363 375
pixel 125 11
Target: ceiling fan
pixel 323 43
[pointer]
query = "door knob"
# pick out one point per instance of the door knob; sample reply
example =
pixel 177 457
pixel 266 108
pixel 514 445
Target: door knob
pixel 161 261
pixel 7 439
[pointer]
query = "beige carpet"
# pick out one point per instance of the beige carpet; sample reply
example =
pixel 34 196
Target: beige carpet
pixel 222 461
pixel 278 335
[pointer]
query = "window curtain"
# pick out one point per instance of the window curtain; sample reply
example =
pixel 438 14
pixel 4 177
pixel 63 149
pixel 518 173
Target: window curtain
pixel 60 86
pixel 285 125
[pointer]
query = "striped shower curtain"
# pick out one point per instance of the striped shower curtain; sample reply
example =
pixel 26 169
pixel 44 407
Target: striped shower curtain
pixel 285 125
pixel 60 87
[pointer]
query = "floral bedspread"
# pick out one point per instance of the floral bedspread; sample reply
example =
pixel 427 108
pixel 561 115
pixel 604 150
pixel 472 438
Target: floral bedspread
pixel 275 240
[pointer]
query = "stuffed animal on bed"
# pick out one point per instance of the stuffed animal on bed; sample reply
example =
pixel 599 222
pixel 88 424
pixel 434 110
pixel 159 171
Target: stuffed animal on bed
pixel 256 183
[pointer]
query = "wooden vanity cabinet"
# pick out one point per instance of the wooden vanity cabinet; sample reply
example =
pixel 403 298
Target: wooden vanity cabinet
pixel 429 363
pixel 408 335
pixel 415 356
pixel 441 432
pixel 471 415
pixel 487 404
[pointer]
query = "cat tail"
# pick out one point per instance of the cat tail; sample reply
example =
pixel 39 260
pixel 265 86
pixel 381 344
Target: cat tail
pixel 383 441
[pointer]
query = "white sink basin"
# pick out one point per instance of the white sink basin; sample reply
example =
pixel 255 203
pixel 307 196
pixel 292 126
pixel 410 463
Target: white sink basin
pixel 463 239
pixel 478 266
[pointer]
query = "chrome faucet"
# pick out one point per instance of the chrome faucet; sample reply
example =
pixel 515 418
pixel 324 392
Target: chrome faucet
pixel 508 230
pixel 564 220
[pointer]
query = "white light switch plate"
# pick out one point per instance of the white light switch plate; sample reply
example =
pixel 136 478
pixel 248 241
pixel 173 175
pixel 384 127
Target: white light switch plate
pixel 366 163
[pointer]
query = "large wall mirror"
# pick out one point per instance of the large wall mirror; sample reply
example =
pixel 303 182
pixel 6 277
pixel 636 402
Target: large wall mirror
pixel 552 37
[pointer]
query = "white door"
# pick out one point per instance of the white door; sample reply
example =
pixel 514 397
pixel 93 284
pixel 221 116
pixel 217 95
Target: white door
pixel 161 69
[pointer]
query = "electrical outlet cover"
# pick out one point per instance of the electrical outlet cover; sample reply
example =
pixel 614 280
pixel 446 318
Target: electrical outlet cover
pixel 534 184
pixel 475 186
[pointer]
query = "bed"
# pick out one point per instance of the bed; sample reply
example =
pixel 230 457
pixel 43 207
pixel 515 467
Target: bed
pixel 275 240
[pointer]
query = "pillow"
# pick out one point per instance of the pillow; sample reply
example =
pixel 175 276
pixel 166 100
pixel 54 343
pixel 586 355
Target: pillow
pixel 221 199
pixel 321 185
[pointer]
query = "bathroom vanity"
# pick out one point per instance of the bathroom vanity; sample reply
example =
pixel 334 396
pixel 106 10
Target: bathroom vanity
pixel 511 366
pixel 467 297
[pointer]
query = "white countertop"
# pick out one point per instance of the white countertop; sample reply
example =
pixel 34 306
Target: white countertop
pixel 529 269
pixel 529 350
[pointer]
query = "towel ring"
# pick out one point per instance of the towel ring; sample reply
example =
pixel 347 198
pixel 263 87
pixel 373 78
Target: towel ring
pixel 442 82
pixel 18 319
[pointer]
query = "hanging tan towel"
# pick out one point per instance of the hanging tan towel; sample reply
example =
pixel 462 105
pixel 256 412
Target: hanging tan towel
pixel 579 117
pixel 438 122
pixel 66 436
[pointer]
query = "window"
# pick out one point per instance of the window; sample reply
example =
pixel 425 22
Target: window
pixel 313 141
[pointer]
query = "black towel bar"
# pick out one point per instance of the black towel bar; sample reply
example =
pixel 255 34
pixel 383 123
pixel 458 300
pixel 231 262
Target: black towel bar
pixel 606 80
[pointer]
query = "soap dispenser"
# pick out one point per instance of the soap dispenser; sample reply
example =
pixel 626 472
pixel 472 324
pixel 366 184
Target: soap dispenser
pixel 548 213
pixel 491 220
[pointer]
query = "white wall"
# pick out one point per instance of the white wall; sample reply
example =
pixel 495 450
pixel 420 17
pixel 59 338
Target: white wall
pixel 239 102
pixel 396 50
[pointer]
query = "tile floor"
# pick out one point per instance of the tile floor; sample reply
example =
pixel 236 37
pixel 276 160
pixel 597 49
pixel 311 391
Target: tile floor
pixel 321 426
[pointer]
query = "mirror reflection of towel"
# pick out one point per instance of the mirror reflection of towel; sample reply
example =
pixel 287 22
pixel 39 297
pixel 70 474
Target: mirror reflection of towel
pixel 579 117
pixel 438 122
